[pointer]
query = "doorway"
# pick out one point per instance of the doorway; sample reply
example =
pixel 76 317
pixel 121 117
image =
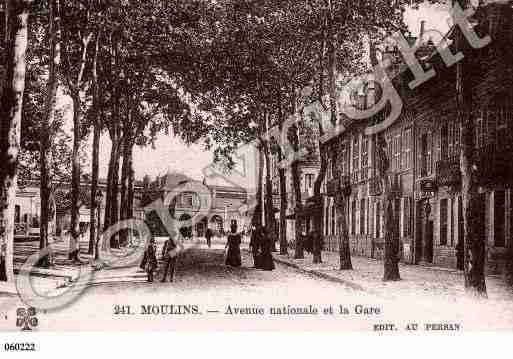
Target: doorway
pixel 429 242
pixel 424 242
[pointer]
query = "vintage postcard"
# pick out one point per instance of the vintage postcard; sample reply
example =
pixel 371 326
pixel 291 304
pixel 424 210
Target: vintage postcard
pixel 256 165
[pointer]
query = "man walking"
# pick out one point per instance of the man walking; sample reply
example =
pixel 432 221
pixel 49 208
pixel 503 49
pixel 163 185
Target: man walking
pixel 169 254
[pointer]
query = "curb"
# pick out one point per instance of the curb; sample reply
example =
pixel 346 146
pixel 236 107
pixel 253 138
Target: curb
pixel 325 276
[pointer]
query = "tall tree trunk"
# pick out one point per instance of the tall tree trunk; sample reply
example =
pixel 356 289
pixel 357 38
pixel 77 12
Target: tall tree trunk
pixel 114 214
pixel 94 228
pixel 474 245
pixel 344 250
pixel 270 221
pixel 296 183
pixel 131 180
pixel 75 84
pixel 341 200
pixel 283 209
pixel 46 135
pixel 283 189
pixel 332 63
pixel 391 260
pixel 75 176
pixel 391 232
pixel 95 205
pixel 125 179
pixel 258 212
pixel 108 200
pixel 111 205
pixel 318 199
pixel 10 112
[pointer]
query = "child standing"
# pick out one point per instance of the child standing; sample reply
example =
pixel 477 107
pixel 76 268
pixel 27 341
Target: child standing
pixel 151 259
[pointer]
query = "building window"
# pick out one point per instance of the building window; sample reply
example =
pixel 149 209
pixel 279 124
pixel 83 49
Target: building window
pixel 370 218
pixel 444 142
pixel 327 221
pixel 35 221
pixel 362 216
pixel 425 148
pixel 396 152
pixel 407 156
pixel 480 133
pixel 308 181
pixel 443 222
pixel 365 158
pixel 499 218
pixel 378 220
pixel 356 157
pixel 333 216
pixel 187 200
pixel 454 139
pixel 353 217
pixel 407 206
pixel 344 160
pixel 502 125
pixel 17 214
pixel 451 223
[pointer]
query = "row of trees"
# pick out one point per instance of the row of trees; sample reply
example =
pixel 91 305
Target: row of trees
pixel 221 72
pixel 123 66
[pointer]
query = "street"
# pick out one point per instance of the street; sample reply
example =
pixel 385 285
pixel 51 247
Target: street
pixel 207 294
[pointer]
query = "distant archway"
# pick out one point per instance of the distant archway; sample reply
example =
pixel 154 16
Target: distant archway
pixel 201 227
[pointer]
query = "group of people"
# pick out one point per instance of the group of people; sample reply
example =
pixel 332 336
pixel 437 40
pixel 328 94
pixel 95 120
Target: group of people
pixel 260 245
pixel 150 262
pixel 261 248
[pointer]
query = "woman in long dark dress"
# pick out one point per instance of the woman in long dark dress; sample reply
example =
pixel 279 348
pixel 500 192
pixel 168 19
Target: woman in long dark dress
pixel 254 245
pixel 233 258
pixel 266 257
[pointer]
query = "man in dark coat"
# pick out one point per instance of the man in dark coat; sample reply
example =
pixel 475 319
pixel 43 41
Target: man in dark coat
pixel 208 236
pixel 254 244
pixel 169 259
pixel 266 257
pixel 151 259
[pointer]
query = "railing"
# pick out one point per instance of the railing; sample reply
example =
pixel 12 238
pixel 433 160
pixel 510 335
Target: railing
pixel 448 171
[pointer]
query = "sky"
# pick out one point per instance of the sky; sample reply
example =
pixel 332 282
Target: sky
pixel 171 154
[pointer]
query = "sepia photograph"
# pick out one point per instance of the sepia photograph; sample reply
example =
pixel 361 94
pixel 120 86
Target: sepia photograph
pixel 255 165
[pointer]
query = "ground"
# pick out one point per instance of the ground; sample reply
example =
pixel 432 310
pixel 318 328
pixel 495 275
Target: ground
pixel 204 284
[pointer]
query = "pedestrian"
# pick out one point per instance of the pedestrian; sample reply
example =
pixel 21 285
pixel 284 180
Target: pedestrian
pixel 254 245
pixel 169 254
pixel 266 257
pixel 233 257
pixel 150 256
pixel 208 237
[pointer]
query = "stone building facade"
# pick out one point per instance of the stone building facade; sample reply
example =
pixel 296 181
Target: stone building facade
pixel 423 148
pixel 208 204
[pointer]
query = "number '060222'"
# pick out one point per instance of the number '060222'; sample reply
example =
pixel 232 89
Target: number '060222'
pixel 20 347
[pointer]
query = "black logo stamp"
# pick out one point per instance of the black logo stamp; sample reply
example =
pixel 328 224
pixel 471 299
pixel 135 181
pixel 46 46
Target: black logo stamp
pixel 26 318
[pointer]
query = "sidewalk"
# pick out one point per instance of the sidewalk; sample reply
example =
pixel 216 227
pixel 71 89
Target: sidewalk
pixel 367 275
pixel 65 271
